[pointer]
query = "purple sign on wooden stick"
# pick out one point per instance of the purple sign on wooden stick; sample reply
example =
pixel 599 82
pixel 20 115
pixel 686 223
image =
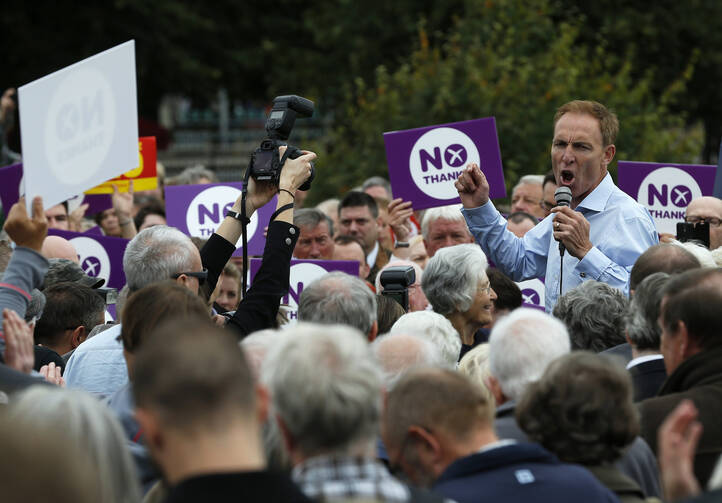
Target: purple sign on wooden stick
pixel 666 189
pixel 304 272
pixel 425 162
pixel 198 210
pixel 99 256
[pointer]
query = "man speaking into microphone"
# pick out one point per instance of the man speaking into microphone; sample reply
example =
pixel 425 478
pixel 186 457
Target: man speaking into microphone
pixel 603 230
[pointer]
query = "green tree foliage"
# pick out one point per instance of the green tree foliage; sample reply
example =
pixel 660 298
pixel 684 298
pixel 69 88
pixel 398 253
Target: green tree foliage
pixel 665 35
pixel 509 59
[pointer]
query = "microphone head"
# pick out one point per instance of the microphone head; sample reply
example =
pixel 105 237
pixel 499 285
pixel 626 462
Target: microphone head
pixel 563 196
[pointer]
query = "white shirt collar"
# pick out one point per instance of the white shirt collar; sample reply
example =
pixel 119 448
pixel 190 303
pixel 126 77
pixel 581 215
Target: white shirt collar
pixel 371 257
pixel 641 359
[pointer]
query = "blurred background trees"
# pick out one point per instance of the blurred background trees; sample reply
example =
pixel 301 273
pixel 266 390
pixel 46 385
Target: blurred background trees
pixel 379 66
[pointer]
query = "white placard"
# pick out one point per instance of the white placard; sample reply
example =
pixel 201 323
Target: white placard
pixel 79 125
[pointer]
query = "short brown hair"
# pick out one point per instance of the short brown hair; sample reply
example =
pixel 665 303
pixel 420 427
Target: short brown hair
pixel 608 122
pixel 152 305
pixel 436 398
pixel 193 375
pixel 581 409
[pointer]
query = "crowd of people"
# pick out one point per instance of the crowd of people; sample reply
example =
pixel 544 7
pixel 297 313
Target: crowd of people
pixel 201 392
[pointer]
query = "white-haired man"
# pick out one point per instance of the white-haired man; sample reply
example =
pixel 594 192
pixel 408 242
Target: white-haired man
pixel 521 347
pixel 338 298
pixel 161 253
pixel 325 389
pixel 396 353
pixel 434 328
pixel 527 196
pixel 442 227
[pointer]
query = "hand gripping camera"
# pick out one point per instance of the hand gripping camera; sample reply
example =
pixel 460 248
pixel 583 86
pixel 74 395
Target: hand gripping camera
pixel 266 163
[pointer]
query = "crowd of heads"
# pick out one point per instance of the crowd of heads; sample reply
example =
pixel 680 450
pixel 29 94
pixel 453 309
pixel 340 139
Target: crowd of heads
pixel 412 394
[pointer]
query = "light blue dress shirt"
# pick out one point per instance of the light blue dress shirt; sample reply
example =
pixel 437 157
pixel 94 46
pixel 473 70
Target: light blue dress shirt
pixel 97 365
pixel 620 231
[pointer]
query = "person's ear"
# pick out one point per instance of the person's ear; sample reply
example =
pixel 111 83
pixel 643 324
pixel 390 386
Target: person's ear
pixel 182 280
pixel 364 269
pixel 429 449
pixel 608 155
pixel 687 347
pixel 262 401
pixel 374 331
pixel 78 335
pixel 288 442
pixel 152 432
pixel 493 384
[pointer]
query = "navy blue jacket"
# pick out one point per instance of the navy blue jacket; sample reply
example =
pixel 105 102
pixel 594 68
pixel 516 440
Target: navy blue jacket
pixel 519 472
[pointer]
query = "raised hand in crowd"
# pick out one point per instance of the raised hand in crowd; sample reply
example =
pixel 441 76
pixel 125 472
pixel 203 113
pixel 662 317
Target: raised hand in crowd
pixel 26 231
pixel 400 213
pixel 75 218
pixel 123 206
pixel 294 173
pixel 19 352
pixel 677 442
pixel 473 187
pixel 52 374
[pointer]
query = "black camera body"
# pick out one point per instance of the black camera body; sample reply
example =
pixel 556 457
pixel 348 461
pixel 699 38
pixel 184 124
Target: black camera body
pixel 266 162
pixel 693 233
pixel 396 281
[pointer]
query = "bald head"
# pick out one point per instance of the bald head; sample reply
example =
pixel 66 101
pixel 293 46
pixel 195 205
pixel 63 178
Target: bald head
pixel 398 353
pixel 57 247
pixel 664 257
pixel 707 208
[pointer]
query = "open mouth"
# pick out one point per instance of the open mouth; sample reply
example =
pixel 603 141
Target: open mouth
pixel 567 177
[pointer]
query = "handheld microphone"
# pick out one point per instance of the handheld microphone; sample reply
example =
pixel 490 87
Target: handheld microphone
pixel 563 197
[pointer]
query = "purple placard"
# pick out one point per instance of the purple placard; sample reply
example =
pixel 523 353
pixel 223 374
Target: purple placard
pixel 10 177
pixel 532 293
pixel 198 210
pixel 425 162
pixel 666 189
pixel 95 231
pixel 99 256
pixel 304 272
pixel 97 203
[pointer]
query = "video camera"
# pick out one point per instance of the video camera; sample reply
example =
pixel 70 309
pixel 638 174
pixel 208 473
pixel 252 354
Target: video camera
pixel 266 163
pixel 396 281
pixel 694 233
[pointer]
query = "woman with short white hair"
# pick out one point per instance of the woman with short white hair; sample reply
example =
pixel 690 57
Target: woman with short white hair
pixel 456 285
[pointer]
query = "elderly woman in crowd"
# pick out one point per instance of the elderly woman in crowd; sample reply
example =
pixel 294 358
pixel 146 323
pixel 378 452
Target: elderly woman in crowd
pixel 582 411
pixel 456 285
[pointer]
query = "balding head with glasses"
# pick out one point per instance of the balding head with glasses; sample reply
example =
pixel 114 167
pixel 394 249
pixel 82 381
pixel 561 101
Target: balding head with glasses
pixel 707 209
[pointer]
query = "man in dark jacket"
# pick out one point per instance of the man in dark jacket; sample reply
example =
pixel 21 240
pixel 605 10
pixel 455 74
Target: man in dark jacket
pixel 438 429
pixel 203 428
pixel 691 321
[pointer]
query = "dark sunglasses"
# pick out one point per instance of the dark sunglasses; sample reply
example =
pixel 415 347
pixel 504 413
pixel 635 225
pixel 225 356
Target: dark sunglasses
pixel 202 275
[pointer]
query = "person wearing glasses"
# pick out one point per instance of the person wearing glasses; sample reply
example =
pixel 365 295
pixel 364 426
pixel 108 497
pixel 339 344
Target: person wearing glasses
pixel 160 253
pixel 707 209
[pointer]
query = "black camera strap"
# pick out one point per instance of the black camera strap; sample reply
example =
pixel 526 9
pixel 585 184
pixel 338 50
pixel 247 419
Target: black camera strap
pixel 244 237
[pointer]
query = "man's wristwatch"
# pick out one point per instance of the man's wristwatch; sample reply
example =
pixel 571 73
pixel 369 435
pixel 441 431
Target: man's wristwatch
pixel 401 244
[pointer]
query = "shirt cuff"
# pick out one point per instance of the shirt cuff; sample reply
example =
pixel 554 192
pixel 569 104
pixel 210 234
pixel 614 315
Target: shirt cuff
pixel 593 265
pixel 484 214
